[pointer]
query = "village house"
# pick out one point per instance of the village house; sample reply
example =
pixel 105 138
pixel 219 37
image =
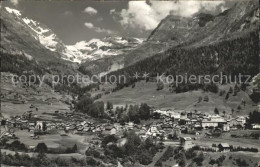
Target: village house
pixel 198 126
pixel 237 121
pixel 241 120
pixel 224 147
pixel 255 126
pixel 153 131
pixel 48 126
pixel 226 128
pixel 213 121
pixel 130 126
pixel 186 142
pixel 31 125
pixel 207 124
pixel 166 127
pixel 39 125
pixel 113 131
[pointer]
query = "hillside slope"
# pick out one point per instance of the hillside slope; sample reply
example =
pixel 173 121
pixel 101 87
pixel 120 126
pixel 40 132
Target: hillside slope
pixel 145 92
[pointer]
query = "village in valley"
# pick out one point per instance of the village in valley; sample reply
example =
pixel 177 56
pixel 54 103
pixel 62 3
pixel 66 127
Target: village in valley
pixel 130 83
pixel 214 132
pixel 167 125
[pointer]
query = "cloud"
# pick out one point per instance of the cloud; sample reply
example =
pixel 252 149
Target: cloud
pixel 112 11
pixel 89 25
pixel 147 16
pixel 100 19
pixel 102 30
pixel 14 2
pixel 91 11
pixel 68 13
pixel 98 29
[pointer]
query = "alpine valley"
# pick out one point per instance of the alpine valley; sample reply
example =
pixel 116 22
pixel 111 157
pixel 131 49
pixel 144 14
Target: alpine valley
pixel 53 120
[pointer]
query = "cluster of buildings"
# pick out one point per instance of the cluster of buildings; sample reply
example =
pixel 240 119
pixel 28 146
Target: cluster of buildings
pixel 24 122
pixel 199 120
pixel 170 124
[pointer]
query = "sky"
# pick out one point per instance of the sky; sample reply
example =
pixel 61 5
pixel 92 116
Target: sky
pixel 79 20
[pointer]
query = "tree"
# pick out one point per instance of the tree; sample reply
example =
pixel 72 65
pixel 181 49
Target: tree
pixel 236 88
pixel 156 115
pixel 148 142
pixel 216 111
pixel 221 92
pixel 96 109
pixel 243 87
pixel 84 103
pixel 144 111
pixel 199 100
pixel 109 139
pixel 255 96
pixel 243 102
pixel 126 107
pixel 109 106
pixel 133 142
pixel 41 148
pixel 199 159
pixel 206 98
pixel 160 86
pixel 235 93
pixel 75 148
pixel 227 96
pixel 133 113
pixel 230 90
pixel 254 117
pixel 232 111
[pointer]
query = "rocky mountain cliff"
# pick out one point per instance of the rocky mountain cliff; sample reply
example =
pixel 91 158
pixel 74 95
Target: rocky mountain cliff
pixel 205 29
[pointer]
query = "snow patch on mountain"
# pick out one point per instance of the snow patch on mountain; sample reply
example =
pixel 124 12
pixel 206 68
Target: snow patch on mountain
pixel 14 11
pixel 101 48
pixel 48 41
pixel 73 54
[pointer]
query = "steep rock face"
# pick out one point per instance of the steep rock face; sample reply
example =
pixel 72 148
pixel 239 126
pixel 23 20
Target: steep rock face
pixel 204 29
pixel 20 34
pixel 25 37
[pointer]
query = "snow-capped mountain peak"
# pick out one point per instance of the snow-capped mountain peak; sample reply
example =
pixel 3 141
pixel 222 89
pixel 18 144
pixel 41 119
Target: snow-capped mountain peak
pixel 101 48
pixel 80 51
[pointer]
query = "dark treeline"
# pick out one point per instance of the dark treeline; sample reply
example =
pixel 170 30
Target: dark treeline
pixel 134 113
pixel 254 117
pixel 17 64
